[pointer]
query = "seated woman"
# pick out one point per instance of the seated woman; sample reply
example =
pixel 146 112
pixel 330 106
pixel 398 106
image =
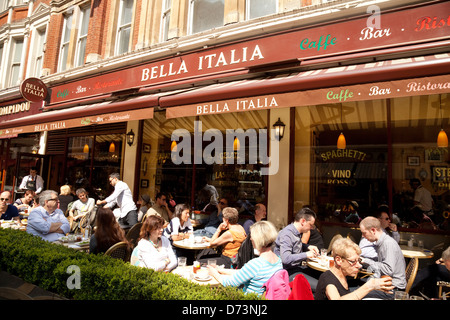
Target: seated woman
pixel 65 197
pixel 333 284
pixel 153 250
pixel 229 235
pixel 257 271
pixel 107 233
pixel 26 202
pixel 80 208
pixel 180 226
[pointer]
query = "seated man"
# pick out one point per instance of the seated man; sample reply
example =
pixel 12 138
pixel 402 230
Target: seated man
pixel 391 261
pixel 213 221
pixel 47 221
pixel 160 208
pixel 293 252
pixel 260 214
pixel 367 247
pixel 8 211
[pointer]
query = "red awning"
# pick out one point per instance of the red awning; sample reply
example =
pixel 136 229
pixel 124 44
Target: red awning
pixel 367 73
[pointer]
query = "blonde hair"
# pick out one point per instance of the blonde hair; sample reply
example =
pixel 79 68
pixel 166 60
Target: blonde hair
pixel 263 234
pixel 65 190
pixel 344 248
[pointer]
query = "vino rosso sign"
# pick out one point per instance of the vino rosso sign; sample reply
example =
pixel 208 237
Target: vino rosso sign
pixel 33 90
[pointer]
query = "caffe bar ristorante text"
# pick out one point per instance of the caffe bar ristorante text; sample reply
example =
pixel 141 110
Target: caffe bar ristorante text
pixel 412 26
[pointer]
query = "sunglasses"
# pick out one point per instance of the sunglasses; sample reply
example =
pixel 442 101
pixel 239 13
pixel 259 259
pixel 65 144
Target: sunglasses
pixel 4 199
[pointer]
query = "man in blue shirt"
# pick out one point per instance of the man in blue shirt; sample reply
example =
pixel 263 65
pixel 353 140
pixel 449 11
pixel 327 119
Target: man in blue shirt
pixel 292 251
pixel 47 221
pixel 7 211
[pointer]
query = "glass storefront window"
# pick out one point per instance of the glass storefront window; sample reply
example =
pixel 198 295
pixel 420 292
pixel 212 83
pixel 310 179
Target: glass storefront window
pixel 389 142
pixel 185 181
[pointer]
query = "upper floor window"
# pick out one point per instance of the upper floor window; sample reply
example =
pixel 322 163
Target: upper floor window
pixel 1 62
pixel 4 5
pixel 38 51
pixel 16 61
pixel 259 8
pixel 82 35
pixel 165 20
pixel 124 26
pixel 206 14
pixel 65 41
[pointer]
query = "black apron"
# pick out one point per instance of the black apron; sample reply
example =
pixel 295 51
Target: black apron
pixel 31 185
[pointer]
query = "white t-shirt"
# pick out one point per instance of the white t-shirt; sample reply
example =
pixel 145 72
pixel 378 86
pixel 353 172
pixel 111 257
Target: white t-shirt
pixel 147 256
pixel 83 208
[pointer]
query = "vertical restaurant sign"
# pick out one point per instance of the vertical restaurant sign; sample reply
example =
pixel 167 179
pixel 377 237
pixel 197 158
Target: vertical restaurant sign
pixel 410 26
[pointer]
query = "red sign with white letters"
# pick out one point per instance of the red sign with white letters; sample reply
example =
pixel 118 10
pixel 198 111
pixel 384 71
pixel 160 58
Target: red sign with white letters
pixel 405 27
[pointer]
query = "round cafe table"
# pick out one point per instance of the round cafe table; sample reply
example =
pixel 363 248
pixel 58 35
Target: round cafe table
pixel 190 245
pixel 416 252
pixel 188 273
pixel 315 264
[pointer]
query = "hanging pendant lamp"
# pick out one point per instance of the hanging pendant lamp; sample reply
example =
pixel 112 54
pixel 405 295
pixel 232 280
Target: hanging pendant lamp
pixel 236 144
pixel 442 139
pixel 86 148
pixel 341 143
pixel 112 147
pixel 173 146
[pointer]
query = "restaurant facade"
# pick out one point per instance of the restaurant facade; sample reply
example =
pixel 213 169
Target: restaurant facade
pixel 204 108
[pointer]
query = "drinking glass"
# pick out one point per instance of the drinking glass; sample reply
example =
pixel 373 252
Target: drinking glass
pixel 181 261
pixel 212 262
pixel 416 298
pixel 401 295
pixel 420 244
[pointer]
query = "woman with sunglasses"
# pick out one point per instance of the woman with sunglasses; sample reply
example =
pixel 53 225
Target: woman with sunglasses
pixel 333 284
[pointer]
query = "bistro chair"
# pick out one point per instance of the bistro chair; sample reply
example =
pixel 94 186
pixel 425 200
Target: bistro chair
pixel 441 285
pixel 119 251
pixel 411 272
pixel 133 233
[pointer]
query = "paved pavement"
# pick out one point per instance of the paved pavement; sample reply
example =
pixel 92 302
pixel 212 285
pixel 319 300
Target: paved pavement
pixel 14 288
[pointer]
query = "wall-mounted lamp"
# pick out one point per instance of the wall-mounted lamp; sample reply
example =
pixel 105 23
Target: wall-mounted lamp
pixel 279 129
pixel 130 137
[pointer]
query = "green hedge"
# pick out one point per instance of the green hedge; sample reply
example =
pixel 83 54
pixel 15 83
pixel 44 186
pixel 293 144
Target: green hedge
pixel 45 265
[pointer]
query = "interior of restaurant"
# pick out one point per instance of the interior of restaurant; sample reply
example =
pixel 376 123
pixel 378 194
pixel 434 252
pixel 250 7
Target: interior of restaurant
pixel 388 142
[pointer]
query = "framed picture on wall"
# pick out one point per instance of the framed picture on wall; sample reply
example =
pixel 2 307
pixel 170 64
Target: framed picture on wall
pixel 144 183
pixel 413 161
pixel 433 155
pixel 410 174
pixel 146 148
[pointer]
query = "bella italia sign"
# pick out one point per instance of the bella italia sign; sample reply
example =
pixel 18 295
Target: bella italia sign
pixel 33 90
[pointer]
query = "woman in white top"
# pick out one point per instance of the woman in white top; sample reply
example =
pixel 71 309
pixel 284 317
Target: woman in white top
pixel 180 226
pixel 153 251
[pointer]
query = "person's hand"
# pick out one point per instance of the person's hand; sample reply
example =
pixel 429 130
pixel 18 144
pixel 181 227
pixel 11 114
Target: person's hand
pixel 314 249
pixel 223 226
pixel 383 284
pixel 393 227
pixel 311 254
pixel 99 202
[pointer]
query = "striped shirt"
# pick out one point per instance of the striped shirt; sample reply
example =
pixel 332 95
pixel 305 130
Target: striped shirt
pixel 253 275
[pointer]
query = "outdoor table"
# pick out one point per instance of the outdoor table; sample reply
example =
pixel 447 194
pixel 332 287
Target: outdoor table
pixel 14 224
pixel 191 245
pixel 188 273
pixel 82 245
pixel 416 252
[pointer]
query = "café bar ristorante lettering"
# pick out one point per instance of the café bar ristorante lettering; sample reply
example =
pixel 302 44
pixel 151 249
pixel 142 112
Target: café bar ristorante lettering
pixel 361 92
pixel 412 26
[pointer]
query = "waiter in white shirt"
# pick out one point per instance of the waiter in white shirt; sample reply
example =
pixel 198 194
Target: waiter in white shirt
pixel 123 197
pixel 32 182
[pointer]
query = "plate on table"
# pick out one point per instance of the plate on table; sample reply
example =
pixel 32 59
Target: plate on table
pixel 207 278
pixel 83 243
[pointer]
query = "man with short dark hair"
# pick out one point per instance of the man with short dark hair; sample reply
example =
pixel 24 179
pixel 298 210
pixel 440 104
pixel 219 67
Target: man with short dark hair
pixel 160 208
pixel 33 181
pixel 292 251
pixel 7 210
pixel 123 197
